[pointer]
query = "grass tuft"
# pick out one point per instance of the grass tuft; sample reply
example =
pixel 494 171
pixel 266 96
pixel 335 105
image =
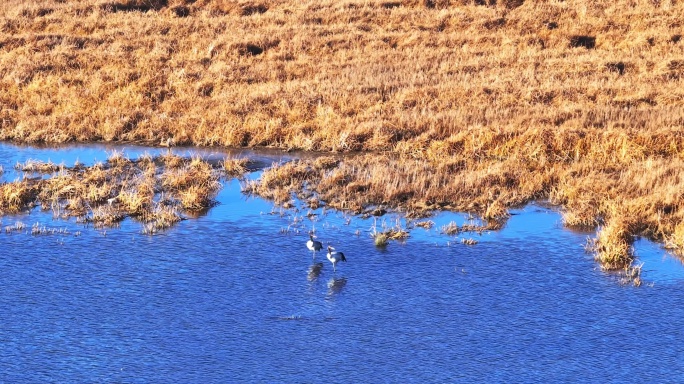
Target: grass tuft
pixel 451 229
pixel 382 237
pixel 235 167
pixel 37 166
pixel 17 196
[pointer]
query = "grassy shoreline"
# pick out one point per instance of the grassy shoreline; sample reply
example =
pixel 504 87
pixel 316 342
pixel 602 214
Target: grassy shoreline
pixel 466 105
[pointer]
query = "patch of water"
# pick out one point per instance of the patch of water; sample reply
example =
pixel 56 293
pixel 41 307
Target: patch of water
pixel 659 265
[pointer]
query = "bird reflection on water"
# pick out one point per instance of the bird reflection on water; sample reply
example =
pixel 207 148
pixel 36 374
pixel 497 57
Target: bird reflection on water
pixel 335 286
pixel 314 271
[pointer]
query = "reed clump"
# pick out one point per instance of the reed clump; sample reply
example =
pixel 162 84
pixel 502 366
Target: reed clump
pixel 235 167
pixel 118 159
pixel 382 236
pixel 160 218
pixel 425 224
pixel 104 194
pixel 38 229
pixel 17 227
pixel 380 239
pixel 17 196
pixel 195 184
pixel 105 216
pixel 469 241
pixel 37 166
pixel 451 229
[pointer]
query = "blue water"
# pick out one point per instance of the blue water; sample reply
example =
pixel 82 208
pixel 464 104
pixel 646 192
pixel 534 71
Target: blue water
pixel 227 297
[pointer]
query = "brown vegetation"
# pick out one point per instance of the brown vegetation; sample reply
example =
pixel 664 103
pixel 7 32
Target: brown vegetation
pixel 382 237
pixel 152 190
pixel 16 196
pixel 335 75
pixel 467 105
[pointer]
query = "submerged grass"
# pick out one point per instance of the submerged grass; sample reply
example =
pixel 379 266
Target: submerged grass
pixel 474 106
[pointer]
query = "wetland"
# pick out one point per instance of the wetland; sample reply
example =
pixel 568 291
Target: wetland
pixel 504 178
pixel 232 294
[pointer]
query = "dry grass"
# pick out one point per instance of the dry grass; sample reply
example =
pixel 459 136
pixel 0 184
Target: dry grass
pixel 636 197
pixel 17 227
pixel 162 217
pixel 38 229
pixel 38 166
pixel 17 196
pixel 147 189
pixel 467 105
pixel 469 241
pixel 335 76
pixel 382 237
pixel 425 224
pixel 195 184
pixel 450 229
pixel 235 167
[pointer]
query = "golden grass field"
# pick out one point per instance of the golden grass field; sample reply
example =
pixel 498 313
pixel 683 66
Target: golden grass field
pixel 475 105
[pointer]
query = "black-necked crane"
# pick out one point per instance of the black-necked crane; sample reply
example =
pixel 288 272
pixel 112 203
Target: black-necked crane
pixel 335 257
pixel 313 245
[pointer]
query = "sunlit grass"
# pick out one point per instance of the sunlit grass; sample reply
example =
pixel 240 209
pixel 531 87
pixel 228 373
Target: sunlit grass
pixel 17 196
pixel 381 237
pixel 105 194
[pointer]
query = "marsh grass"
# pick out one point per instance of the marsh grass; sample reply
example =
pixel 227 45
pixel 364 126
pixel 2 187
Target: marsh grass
pixel 451 229
pixel 635 196
pixel 334 76
pixel 235 167
pixel 160 218
pixel 381 237
pixel 154 191
pixel 17 196
pixel 118 159
pixel 473 106
pixel 38 166
pixel 425 224
pixel 468 241
pixel 195 184
pixel 477 228
pixel 42 229
pixel 17 227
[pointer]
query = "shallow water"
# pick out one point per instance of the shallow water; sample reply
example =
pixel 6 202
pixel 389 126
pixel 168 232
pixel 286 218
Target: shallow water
pixel 228 297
